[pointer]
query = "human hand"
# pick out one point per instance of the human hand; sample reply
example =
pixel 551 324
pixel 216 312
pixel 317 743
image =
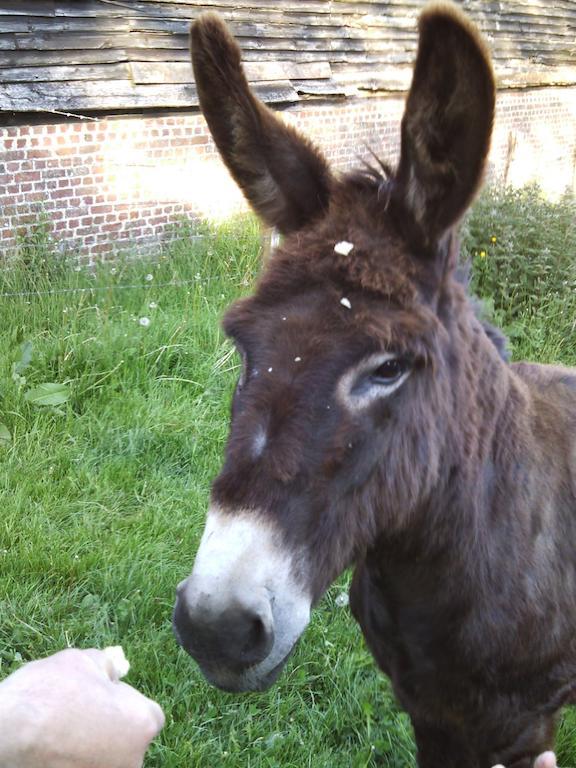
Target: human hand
pixel 70 710
pixel 545 760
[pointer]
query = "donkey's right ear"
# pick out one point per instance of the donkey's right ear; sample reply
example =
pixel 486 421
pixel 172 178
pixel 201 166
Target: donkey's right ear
pixel 447 124
pixel 284 177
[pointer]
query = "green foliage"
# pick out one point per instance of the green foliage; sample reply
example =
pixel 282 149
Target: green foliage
pixel 523 249
pixel 104 488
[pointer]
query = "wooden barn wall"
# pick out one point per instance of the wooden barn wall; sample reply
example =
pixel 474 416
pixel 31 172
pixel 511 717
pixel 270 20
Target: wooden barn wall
pixel 104 55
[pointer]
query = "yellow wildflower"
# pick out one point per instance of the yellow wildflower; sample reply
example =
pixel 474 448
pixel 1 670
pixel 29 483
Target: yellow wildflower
pixel 482 254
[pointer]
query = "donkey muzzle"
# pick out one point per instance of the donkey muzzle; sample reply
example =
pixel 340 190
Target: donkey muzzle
pixel 225 640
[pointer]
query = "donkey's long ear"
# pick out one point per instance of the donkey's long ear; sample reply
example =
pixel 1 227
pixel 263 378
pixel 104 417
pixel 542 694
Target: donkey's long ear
pixel 447 124
pixel 284 177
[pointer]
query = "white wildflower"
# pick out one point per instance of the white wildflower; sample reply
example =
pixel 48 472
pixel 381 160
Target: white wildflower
pixel 149 277
pixel 144 322
pixel 113 271
pixel 346 303
pixel 342 600
pixel 77 268
pixel 343 248
pixel 152 305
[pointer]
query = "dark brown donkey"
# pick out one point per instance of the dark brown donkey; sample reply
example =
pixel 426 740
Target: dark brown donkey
pixel 376 425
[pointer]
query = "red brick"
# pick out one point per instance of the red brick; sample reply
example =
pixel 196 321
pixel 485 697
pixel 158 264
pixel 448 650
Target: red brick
pixel 61 193
pixel 27 176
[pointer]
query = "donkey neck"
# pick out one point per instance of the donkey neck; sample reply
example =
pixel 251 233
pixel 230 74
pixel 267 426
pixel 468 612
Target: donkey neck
pixel 486 407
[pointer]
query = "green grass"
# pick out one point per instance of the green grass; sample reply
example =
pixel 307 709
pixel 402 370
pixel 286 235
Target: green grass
pixel 527 276
pixel 104 495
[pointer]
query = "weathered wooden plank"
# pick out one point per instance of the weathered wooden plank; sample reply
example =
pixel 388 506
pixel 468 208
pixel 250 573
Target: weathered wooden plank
pixel 55 58
pixel 256 71
pixel 144 72
pixel 526 78
pixel 25 7
pixel 116 94
pixel 166 55
pixel 308 5
pixel 322 88
pixel 72 42
pixel 60 74
pixel 56 26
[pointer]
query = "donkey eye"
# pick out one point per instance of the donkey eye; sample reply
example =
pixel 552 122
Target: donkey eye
pixel 375 377
pixel 389 371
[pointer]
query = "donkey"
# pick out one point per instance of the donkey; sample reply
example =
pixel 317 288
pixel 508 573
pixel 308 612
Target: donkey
pixel 376 425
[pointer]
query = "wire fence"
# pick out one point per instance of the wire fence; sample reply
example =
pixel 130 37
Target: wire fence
pixel 117 287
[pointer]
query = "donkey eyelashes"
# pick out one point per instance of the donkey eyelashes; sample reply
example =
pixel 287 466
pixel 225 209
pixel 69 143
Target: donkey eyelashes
pixel 375 377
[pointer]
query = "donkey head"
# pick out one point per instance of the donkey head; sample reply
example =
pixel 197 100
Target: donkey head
pixel 349 348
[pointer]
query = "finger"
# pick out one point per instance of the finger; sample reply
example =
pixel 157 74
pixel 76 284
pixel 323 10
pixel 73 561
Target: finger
pixel 149 709
pixel 111 661
pixel 546 760
pixel 102 662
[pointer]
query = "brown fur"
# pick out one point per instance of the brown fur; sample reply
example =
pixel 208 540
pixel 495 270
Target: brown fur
pixel 455 497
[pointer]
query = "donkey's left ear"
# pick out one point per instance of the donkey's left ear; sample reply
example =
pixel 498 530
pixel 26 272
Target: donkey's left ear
pixel 447 124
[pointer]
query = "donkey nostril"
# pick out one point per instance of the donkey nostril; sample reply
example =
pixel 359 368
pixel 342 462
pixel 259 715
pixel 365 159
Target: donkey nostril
pixel 255 637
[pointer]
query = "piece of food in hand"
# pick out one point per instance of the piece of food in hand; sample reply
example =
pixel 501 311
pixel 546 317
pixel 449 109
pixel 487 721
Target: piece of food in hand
pixel 117 663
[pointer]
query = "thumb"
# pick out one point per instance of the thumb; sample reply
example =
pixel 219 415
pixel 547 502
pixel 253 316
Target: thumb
pixel 546 760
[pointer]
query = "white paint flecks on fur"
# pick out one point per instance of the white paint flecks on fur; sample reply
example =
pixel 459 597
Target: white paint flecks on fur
pixel 242 559
pixel 346 303
pixel 297 359
pixel 343 247
pixel 355 401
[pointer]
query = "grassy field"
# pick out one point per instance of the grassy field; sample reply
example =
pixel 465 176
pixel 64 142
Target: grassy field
pixel 105 477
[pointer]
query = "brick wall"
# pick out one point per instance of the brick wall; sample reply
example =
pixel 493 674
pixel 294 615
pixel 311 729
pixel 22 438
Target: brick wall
pixel 115 184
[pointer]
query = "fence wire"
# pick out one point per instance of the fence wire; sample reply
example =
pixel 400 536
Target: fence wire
pixel 118 287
